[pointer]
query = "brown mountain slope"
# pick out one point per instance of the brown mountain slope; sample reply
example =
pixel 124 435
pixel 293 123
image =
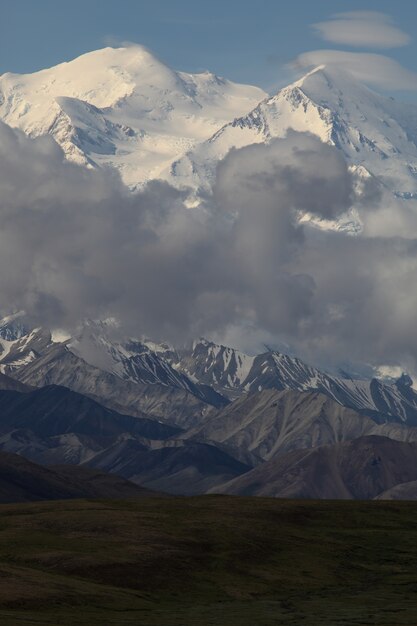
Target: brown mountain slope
pixel 358 469
pixel 403 491
pixel 24 481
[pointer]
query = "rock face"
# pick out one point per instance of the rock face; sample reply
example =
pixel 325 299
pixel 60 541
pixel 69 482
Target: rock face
pixel 358 469
pixel 137 361
pixel 269 423
pixel 59 366
pixel 233 373
pixel 127 377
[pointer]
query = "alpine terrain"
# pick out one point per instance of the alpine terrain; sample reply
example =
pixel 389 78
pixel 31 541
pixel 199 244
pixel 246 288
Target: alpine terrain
pixel 198 417
pixel 123 107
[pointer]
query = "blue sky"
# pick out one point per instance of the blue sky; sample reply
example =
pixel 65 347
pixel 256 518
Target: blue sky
pixel 243 40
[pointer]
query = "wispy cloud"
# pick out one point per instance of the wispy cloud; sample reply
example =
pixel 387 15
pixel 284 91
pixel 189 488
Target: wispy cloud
pixel 370 29
pixel 116 42
pixel 373 69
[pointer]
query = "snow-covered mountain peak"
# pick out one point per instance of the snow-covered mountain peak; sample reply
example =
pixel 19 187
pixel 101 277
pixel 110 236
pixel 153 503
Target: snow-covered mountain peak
pixel 208 371
pixel 323 80
pixel 12 327
pixel 102 77
pixel 375 134
pixel 123 107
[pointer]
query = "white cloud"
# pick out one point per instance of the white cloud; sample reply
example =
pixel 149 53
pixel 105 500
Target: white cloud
pixel 75 244
pixel 369 29
pixel 373 69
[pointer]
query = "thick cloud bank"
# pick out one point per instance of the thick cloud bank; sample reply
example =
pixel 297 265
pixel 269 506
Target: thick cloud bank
pixel 75 243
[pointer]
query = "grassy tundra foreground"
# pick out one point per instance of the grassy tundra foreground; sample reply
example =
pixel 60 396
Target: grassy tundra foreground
pixel 208 560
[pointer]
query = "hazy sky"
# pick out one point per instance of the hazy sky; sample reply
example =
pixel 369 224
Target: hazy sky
pixel 243 40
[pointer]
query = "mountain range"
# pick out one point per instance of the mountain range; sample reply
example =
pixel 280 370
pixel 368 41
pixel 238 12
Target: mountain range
pixel 203 417
pixel 124 108
pixel 194 419
pixel 375 134
pixel 176 384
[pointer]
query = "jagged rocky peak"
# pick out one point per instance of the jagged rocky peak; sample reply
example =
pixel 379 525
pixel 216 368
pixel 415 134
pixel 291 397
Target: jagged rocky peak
pixel 213 374
pixel 405 381
pixel 376 135
pixel 13 327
